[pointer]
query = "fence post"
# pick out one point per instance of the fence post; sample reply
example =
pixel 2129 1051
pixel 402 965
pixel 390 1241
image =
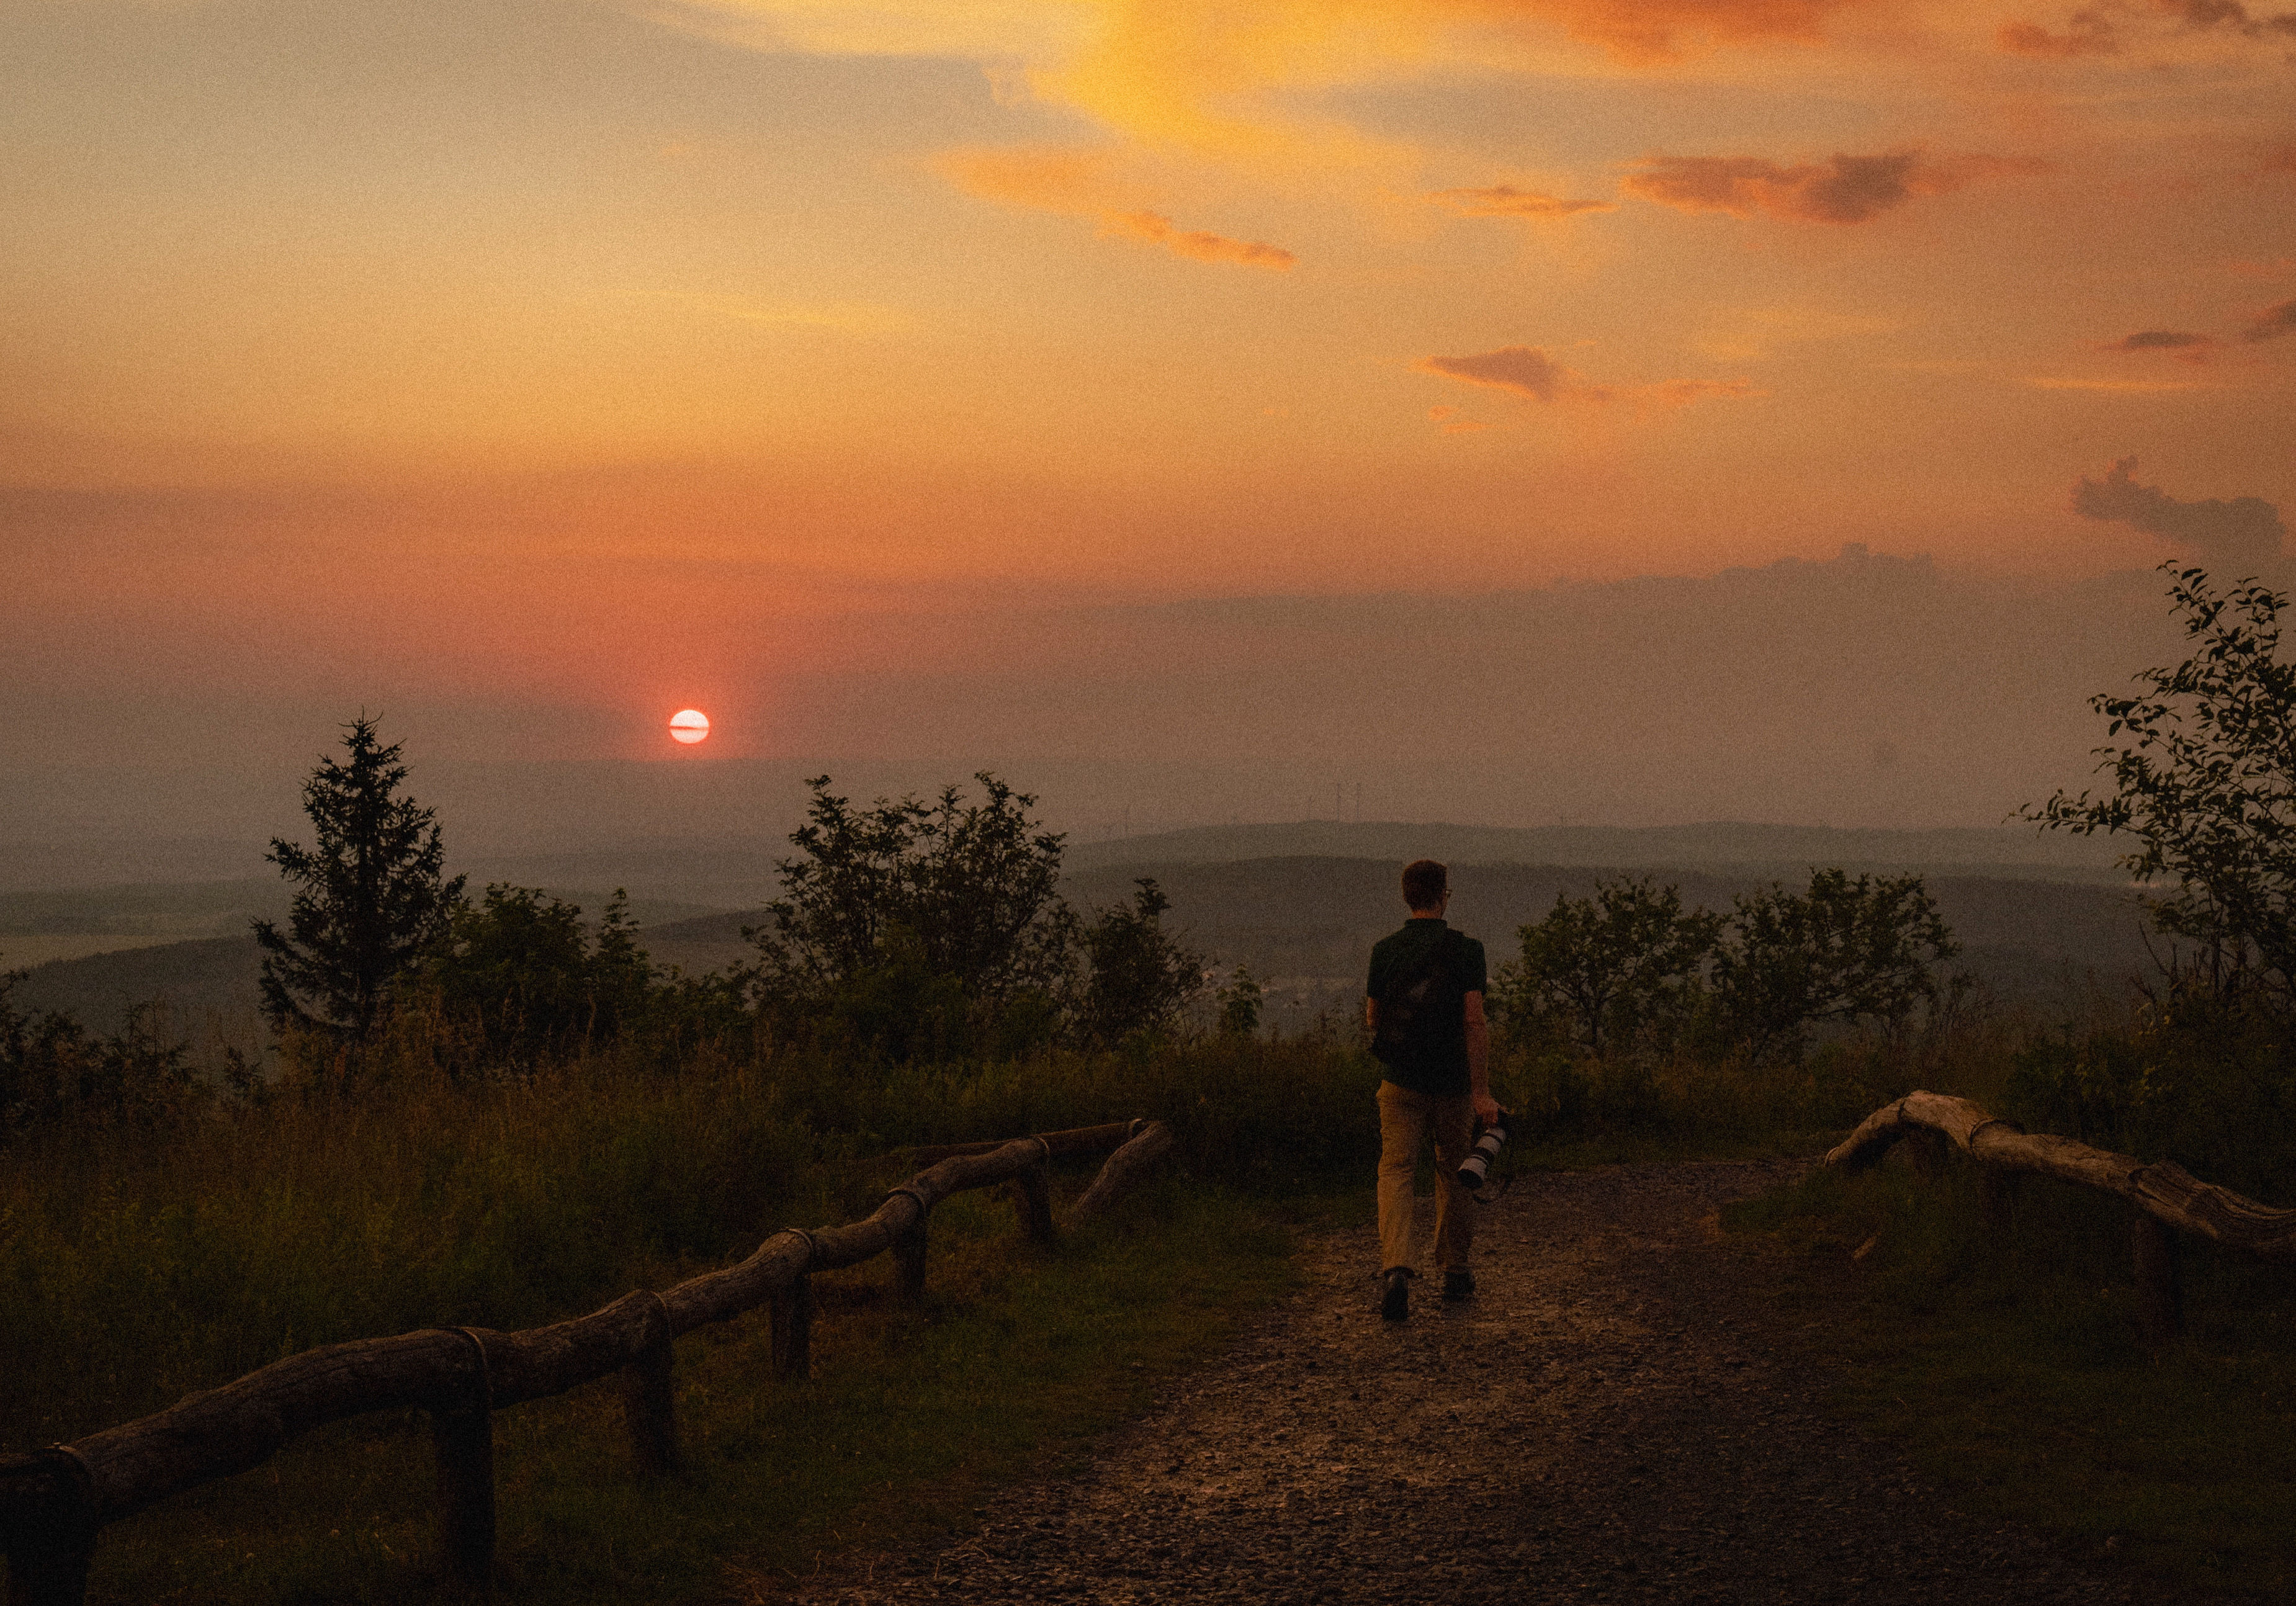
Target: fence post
pixel 1926 1151
pixel 49 1531
pixel 793 1314
pixel 909 1251
pixel 1997 1196
pixel 1032 1193
pixel 650 1397
pixel 462 1437
pixel 2160 1293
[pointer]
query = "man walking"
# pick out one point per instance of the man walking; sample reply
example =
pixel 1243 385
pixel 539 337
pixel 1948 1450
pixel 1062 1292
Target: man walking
pixel 1424 1006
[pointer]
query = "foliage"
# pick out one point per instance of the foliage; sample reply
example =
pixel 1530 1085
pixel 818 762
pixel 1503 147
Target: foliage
pixel 2204 778
pixel 1239 1001
pixel 915 925
pixel 1140 978
pixel 1845 951
pixel 1610 964
pixel 51 1068
pixel 370 899
pixel 522 968
pixel 1630 970
pixel 2196 1082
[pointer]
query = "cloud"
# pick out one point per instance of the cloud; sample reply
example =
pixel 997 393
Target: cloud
pixel 1238 83
pixel 1504 200
pixel 2089 34
pixel 2272 322
pixel 1647 31
pixel 1452 423
pixel 1528 372
pixel 2231 14
pixel 2114 386
pixel 2243 532
pixel 1158 230
pixel 1076 183
pixel 2161 340
pixel 2092 32
pixel 1524 370
pixel 1846 189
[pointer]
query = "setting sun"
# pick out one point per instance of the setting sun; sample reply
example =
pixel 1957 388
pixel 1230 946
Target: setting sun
pixel 689 726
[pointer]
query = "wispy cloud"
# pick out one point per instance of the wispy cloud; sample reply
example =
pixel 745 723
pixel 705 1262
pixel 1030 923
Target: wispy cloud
pixel 1504 200
pixel 1156 229
pixel 1077 184
pixel 2113 387
pixel 2272 324
pixel 2106 28
pixel 2229 15
pixel 2089 33
pixel 2161 340
pixel 1748 334
pixel 1643 30
pixel 1529 372
pixel 2245 530
pixel 1844 189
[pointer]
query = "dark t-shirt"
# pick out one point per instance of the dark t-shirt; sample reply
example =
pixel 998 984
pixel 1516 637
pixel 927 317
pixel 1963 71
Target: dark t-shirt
pixel 1433 1054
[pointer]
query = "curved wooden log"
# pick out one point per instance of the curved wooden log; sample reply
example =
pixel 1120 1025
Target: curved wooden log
pixel 2162 1189
pixel 1077 1140
pixel 242 1424
pixel 721 1296
pixel 1123 1172
pixel 233 1429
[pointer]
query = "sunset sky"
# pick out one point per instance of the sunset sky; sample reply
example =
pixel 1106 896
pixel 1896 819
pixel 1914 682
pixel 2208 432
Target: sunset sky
pixel 1015 376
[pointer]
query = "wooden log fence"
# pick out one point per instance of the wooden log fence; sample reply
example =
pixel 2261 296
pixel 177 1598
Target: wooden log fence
pixel 54 1503
pixel 2165 1199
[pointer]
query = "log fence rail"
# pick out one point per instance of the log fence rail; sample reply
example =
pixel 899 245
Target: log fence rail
pixel 53 1503
pixel 2165 1199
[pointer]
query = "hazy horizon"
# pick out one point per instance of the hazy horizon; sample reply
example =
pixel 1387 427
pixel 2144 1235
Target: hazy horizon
pixel 1540 411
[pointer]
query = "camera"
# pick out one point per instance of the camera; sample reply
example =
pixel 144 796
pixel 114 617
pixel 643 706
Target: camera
pixel 1474 1171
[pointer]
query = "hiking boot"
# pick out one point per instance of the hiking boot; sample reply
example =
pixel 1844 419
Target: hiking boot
pixel 1458 1286
pixel 1395 1302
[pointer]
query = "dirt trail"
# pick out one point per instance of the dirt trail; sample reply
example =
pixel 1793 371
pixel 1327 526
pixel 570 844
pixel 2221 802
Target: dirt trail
pixel 1617 1416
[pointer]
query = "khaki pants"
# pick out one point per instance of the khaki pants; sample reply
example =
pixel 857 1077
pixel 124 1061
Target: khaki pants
pixel 1404 1119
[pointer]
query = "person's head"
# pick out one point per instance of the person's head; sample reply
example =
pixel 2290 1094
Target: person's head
pixel 1426 886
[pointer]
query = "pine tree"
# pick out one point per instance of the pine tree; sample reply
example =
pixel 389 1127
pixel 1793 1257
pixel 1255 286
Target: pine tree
pixel 371 898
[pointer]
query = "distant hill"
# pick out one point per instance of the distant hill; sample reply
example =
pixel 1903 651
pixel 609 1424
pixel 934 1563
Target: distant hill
pixel 1305 922
pixel 1786 851
pixel 192 980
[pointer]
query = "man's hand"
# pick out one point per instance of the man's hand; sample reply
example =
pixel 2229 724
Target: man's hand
pixel 1487 1109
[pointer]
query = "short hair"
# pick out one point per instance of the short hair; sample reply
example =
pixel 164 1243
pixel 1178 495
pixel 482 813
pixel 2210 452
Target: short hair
pixel 1426 882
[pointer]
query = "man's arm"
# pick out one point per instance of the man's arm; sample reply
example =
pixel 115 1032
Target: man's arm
pixel 1478 1060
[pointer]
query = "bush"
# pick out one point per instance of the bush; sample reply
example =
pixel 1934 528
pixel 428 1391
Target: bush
pixel 523 971
pixel 53 1068
pixel 1140 980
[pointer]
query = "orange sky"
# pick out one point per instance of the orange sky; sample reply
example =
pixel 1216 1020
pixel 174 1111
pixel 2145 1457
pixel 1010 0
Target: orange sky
pixel 614 356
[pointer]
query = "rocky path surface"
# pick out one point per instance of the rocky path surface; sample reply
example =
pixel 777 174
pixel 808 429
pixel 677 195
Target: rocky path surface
pixel 1617 1416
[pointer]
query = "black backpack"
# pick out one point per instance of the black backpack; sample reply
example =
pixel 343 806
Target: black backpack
pixel 1412 993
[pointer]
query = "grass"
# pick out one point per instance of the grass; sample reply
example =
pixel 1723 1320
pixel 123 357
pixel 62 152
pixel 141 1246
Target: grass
pixel 2005 1362
pixel 1017 1357
pixel 137 1265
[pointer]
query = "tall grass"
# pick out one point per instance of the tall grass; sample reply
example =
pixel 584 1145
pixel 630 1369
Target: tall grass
pixel 138 1264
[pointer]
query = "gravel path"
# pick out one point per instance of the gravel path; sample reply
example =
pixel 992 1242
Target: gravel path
pixel 1617 1416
